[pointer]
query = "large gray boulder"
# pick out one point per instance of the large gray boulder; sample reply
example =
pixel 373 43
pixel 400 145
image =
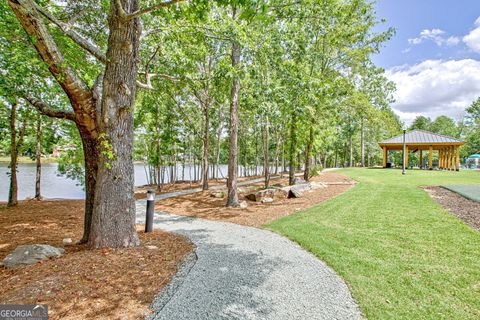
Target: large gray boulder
pixel 29 254
pixel 297 191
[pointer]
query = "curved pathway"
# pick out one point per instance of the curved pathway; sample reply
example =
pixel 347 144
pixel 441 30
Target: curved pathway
pixel 240 272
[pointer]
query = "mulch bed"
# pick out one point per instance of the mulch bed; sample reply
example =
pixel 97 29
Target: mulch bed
pixel 202 205
pixel 463 208
pixel 141 191
pixel 83 284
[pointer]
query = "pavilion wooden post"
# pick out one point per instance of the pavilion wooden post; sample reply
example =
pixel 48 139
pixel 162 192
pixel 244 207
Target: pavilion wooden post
pixel 440 158
pixel 406 157
pixel 430 158
pixel 452 157
pixel 421 160
pixel 447 158
pixel 458 158
pixel 385 156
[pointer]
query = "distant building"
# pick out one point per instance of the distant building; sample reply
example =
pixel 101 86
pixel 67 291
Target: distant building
pixel 473 162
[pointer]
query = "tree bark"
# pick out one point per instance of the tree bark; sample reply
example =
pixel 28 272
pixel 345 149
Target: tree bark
pixel 13 188
pixel 266 163
pixel 308 151
pixel 232 200
pixel 350 164
pixel 205 147
pixel 38 158
pixel 362 142
pixel 113 219
pixel 293 149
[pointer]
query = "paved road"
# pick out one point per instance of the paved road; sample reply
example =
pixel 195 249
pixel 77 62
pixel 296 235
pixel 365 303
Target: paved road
pixel 240 272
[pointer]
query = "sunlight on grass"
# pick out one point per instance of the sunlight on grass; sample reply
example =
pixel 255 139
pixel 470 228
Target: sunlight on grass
pixel 403 256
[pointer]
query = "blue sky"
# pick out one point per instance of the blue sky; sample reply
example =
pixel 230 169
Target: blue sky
pixel 434 57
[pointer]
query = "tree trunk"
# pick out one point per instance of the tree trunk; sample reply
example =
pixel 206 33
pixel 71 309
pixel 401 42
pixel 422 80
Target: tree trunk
pixel 350 164
pixel 91 154
pixel 277 149
pixel 38 158
pixel 232 200
pixel 217 158
pixel 266 164
pixel 362 142
pixel 293 148
pixel 308 151
pixel 113 220
pixel 205 148
pixel 13 189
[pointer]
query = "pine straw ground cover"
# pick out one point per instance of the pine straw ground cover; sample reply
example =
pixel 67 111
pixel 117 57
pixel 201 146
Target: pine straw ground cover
pixel 83 284
pixel 203 205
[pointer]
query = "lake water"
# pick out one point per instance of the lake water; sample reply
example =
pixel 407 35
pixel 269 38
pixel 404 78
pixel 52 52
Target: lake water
pixel 54 185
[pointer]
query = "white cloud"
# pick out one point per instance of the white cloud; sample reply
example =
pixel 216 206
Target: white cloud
pixel 435 87
pixel 453 41
pixel 472 39
pixel 436 35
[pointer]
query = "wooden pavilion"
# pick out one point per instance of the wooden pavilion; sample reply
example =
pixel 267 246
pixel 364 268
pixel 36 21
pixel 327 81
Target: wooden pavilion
pixel 448 148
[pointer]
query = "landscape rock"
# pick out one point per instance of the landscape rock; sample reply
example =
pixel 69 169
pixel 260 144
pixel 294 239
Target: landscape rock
pixel 247 189
pixel 298 181
pixel 267 200
pixel 259 195
pixel 30 254
pixel 317 185
pixel 218 194
pixel 67 241
pixel 243 204
pixel 298 190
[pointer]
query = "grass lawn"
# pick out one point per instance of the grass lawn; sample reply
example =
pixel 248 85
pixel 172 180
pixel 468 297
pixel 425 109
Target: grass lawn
pixel 402 254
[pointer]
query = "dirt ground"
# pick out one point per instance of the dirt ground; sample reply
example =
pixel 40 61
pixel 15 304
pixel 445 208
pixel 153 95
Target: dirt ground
pixel 203 205
pixel 463 208
pixel 83 284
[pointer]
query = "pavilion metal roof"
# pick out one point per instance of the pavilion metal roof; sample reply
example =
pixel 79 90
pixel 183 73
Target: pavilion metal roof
pixel 421 137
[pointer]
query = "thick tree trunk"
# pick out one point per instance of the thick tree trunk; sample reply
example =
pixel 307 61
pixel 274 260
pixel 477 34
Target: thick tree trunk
pixel 38 158
pixel 232 199
pixel 13 189
pixel 293 149
pixel 91 155
pixel 308 151
pixel 113 220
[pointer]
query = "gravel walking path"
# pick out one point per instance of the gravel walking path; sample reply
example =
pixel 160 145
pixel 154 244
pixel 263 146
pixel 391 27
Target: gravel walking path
pixel 247 273
pixel 240 272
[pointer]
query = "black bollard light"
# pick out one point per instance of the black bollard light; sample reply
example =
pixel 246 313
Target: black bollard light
pixel 150 210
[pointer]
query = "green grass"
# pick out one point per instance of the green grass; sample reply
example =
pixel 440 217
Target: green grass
pixel 402 254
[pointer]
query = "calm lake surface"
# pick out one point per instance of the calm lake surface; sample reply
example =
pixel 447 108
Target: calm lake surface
pixel 54 185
